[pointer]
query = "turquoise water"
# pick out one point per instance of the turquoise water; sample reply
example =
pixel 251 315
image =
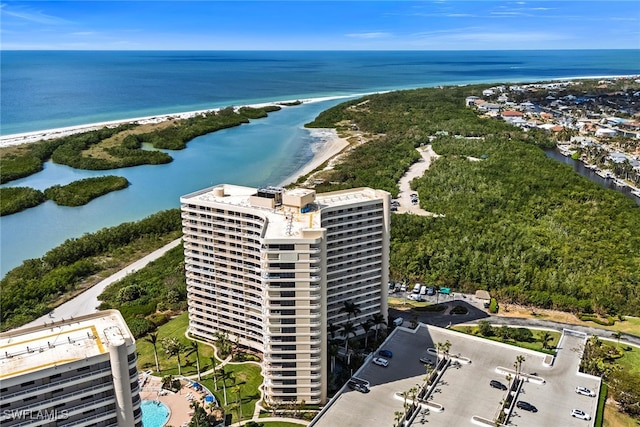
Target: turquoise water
pixel 49 89
pixel 154 414
pixel 42 90
pixel 266 151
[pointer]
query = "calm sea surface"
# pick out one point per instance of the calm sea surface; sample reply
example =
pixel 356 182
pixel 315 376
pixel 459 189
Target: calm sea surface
pixel 49 89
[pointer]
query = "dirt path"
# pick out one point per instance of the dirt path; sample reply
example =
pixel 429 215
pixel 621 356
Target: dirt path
pixel 416 170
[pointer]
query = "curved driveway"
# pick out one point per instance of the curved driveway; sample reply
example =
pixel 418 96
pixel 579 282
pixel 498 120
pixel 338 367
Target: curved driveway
pixel 475 314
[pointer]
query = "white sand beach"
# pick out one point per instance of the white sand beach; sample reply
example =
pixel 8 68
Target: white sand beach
pixel 29 137
pixel 331 146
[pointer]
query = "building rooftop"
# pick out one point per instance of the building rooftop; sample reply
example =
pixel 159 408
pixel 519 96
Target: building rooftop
pixel 299 210
pixel 59 342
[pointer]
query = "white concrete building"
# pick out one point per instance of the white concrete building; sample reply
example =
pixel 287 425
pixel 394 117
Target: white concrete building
pixel 76 372
pixel 273 268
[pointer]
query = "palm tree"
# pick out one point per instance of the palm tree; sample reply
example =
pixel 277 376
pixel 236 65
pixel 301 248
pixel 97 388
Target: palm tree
pixel 509 378
pixel 405 394
pixel 214 363
pixel 224 384
pixel 153 340
pixel 332 328
pixel 224 344
pixel 348 329
pixel 351 309
pixel 398 416
pixel 617 335
pixel 429 369
pixel 236 390
pixel 413 393
pixel 367 327
pixel 438 347
pixel 546 338
pixel 173 347
pixel 518 364
pixel 378 319
pixel 333 352
pixel 446 347
pixel 193 348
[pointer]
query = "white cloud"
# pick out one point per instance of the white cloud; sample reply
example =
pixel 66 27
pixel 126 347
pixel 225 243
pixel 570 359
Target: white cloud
pixel 371 35
pixel 30 15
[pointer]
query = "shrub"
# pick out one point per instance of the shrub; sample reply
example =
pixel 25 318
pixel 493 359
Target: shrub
pixel 493 306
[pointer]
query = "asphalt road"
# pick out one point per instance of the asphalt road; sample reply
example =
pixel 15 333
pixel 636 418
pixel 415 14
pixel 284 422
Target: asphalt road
pixel 87 302
pixel 477 313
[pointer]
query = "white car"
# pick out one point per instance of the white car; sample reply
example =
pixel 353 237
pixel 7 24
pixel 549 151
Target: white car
pixel 577 413
pixel 381 362
pixel 585 391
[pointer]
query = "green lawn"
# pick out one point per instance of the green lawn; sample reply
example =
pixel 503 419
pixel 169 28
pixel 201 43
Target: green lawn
pixel 535 345
pixel 169 366
pixel 630 325
pixel 247 377
pixel 630 361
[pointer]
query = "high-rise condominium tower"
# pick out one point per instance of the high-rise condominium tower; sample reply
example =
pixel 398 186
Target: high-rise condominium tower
pixel 273 268
pixel 74 372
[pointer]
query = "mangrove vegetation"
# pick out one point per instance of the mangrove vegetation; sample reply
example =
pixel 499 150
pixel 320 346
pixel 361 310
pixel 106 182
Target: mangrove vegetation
pixel 81 192
pixel 510 220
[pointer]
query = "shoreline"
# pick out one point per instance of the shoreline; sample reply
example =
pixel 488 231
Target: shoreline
pixel 46 134
pixel 43 135
pixel 330 146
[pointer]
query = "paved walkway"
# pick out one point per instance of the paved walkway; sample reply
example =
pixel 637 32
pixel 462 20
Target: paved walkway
pixel 87 302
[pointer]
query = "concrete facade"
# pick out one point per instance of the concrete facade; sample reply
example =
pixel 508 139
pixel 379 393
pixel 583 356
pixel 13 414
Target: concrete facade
pixel 76 372
pixel 272 268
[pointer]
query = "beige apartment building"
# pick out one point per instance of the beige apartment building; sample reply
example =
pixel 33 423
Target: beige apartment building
pixel 273 268
pixel 74 372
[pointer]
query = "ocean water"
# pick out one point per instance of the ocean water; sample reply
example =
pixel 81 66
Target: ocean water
pixel 50 89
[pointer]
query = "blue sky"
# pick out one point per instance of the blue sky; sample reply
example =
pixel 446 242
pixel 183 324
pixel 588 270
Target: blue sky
pixel 313 25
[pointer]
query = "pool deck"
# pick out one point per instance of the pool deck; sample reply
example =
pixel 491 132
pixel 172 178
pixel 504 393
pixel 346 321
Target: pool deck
pixel 178 403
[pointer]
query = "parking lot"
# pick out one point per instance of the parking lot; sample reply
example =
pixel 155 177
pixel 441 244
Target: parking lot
pixel 463 390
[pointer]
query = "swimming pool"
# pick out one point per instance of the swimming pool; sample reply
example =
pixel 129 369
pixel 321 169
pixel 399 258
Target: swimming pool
pixel 154 414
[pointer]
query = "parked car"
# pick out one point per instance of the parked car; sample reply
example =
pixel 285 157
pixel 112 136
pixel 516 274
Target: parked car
pixel 385 353
pixel 362 388
pixel 415 297
pixel 398 321
pixel 423 290
pixel 431 291
pixel 585 391
pixel 526 406
pixel 381 362
pixel 403 287
pixel 497 384
pixel 577 413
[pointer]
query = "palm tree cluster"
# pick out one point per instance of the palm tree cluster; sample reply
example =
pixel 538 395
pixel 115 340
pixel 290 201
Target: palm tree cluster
pixel 348 328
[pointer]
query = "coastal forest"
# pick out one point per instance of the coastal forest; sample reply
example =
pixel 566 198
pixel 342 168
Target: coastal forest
pixel 509 219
